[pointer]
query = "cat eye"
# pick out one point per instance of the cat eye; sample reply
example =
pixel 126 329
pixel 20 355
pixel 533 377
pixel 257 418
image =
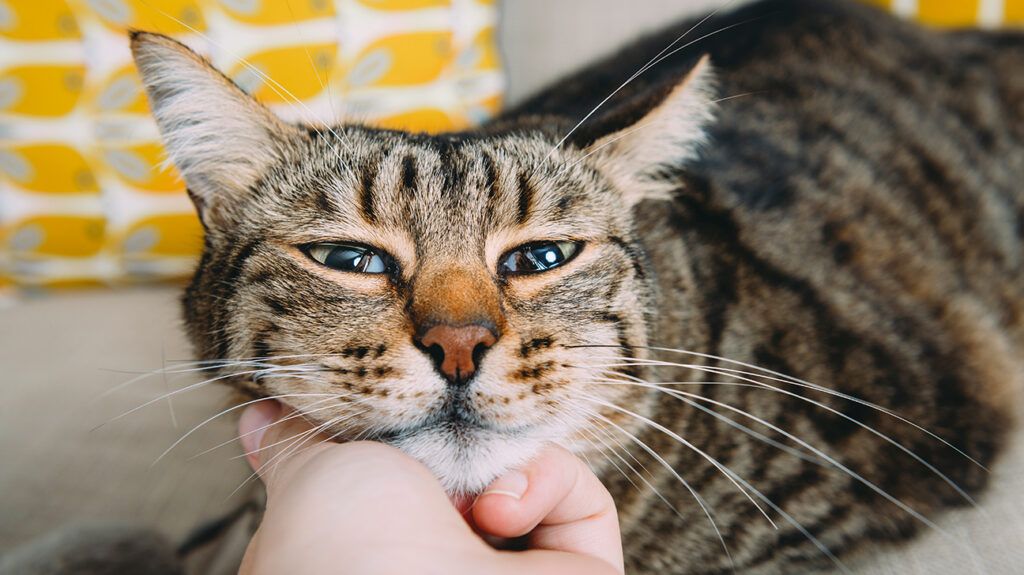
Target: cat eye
pixel 350 258
pixel 537 257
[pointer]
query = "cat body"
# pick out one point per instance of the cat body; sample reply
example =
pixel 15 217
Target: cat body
pixel 830 194
pixel 856 221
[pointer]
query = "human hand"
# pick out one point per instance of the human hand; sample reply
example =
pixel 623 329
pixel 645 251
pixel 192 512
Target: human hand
pixel 365 507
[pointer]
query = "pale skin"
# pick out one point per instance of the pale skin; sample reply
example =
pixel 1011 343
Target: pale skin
pixel 365 507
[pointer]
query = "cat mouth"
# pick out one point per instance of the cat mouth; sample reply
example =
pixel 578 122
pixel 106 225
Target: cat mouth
pixel 455 419
pixel 462 448
pixel 459 424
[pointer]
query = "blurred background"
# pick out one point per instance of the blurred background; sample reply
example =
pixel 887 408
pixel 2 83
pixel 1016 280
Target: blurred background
pixel 96 233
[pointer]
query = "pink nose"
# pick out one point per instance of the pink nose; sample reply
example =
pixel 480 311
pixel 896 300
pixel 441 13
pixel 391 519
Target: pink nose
pixel 456 349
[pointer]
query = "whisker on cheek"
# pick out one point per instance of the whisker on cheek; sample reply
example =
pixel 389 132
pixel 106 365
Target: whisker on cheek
pixel 290 417
pixel 705 507
pixel 761 384
pixel 199 426
pixel 770 375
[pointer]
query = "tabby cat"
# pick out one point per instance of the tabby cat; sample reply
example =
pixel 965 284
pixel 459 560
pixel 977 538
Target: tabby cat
pixel 783 266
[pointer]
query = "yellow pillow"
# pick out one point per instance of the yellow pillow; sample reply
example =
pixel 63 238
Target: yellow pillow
pixel 84 195
pixel 958 13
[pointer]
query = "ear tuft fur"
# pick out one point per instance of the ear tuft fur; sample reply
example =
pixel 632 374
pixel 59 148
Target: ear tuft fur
pixel 667 136
pixel 221 140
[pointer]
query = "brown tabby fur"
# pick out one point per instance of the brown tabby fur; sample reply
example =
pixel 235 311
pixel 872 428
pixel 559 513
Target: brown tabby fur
pixel 856 221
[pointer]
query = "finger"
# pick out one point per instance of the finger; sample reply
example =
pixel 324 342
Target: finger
pixel 252 426
pixel 270 433
pixel 559 502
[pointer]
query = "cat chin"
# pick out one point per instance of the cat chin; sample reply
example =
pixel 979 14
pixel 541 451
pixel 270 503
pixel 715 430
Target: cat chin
pixel 466 461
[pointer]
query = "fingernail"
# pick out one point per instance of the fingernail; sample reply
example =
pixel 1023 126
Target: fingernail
pixel 254 423
pixel 513 484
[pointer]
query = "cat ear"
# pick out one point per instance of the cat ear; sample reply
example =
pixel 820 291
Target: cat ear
pixel 636 157
pixel 219 137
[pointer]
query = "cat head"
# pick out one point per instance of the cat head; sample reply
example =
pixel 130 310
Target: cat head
pixel 463 297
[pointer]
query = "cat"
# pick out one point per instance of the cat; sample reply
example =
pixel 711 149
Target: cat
pixel 772 289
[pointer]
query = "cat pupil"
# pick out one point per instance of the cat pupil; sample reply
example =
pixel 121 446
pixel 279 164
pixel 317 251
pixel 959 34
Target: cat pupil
pixel 545 256
pixel 342 258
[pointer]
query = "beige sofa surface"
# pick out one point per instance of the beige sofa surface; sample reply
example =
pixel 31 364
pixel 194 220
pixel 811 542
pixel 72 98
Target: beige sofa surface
pixel 58 357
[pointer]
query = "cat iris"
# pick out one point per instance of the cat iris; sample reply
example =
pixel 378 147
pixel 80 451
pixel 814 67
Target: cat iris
pixel 350 258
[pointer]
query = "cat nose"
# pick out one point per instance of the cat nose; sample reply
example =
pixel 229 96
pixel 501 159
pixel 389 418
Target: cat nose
pixel 457 350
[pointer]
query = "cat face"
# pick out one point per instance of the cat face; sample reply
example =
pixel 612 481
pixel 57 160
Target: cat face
pixel 456 296
pixel 438 287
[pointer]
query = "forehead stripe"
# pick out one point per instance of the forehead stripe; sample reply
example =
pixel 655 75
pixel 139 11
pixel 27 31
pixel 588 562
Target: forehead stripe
pixel 367 179
pixel 490 176
pixel 449 155
pixel 492 183
pixel 525 197
pixel 409 173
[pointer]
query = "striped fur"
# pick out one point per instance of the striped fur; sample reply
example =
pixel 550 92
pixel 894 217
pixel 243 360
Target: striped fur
pixel 856 222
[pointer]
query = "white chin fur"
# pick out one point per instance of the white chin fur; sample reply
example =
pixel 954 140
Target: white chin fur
pixel 466 461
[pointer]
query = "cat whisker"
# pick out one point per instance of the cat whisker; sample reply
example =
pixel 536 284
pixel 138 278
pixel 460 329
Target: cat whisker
pixel 306 375
pixel 590 438
pixel 855 421
pixel 645 480
pixel 730 422
pixel 167 387
pixel 145 375
pixel 265 358
pixel 789 380
pixel 304 413
pixel 608 141
pixel 689 397
pixel 263 428
pixel 191 388
pixel 718 465
pixel 704 505
pixel 170 394
pixel 292 450
pixel 234 408
pixel 295 440
pixel 324 86
pixel 694 41
pixel 190 366
pixel 729 371
pixel 652 62
pixel 789 518
pixel 608 435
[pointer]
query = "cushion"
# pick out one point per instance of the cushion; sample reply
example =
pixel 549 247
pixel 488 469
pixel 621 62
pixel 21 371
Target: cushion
pixel 85 196
pixel 958 13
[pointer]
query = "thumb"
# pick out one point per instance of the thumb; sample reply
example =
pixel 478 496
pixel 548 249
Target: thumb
pixel 558 501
